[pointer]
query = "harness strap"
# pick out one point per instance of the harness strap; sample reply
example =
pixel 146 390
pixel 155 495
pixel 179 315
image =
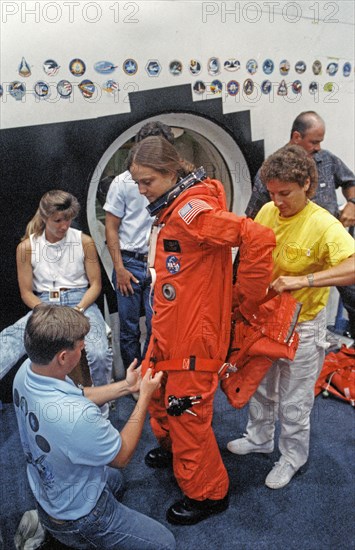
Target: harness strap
pixel 151 258
pixel 190 364
pixel 242 353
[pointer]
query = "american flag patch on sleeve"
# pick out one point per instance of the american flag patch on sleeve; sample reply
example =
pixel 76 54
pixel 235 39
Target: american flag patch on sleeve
pixel 190 210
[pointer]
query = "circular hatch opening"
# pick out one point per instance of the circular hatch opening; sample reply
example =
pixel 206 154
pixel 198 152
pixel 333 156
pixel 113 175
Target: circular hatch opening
pixel 197 139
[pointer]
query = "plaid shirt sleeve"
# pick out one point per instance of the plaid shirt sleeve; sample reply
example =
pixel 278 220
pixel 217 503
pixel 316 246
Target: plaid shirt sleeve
pixel 332 173
pixel 343 176
pixel 259 197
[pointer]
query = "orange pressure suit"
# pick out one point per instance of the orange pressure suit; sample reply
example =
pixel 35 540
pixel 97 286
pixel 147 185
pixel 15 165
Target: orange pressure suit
pixel 192 319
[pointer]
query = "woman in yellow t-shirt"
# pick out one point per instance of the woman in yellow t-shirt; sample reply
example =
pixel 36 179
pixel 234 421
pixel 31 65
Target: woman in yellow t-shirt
pixel 313 252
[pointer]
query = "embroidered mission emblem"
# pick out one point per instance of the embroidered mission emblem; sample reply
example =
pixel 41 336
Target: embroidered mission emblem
pixel 173 264
pixel 190 210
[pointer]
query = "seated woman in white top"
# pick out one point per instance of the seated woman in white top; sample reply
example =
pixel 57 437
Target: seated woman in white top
pixel 59 264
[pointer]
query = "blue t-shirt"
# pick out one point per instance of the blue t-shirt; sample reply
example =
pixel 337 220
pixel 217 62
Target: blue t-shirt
pixel 67 443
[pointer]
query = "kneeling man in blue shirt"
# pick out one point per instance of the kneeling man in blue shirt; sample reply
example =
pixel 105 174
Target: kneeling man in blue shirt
pixel 73 453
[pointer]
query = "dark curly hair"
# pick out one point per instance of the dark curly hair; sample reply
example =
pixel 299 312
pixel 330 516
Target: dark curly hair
pixel 155 128
pixel 291 164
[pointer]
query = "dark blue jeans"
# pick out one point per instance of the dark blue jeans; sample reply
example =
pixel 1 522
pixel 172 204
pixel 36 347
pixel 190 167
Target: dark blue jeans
pixel 131 308
pixel 347 294
pixel 110 525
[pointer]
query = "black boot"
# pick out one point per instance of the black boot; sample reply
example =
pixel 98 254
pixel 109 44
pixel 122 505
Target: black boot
pixel 189 511
pixel 158 458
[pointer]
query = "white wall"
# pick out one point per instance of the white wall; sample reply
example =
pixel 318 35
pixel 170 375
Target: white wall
pixel 175 29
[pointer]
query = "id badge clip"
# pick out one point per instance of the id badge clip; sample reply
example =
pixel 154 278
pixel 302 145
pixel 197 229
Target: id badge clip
pixel 54 296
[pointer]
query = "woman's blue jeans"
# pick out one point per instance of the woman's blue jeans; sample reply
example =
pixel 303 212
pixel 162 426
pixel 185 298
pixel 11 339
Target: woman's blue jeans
pixel 98 353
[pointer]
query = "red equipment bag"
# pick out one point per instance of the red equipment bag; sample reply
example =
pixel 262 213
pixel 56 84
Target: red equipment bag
pixel 337 376
pixel 255 346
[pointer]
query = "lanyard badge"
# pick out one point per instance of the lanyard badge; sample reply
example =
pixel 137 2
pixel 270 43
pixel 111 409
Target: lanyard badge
pixel 54 295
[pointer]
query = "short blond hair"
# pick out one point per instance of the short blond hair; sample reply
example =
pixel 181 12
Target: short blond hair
pixel 51 329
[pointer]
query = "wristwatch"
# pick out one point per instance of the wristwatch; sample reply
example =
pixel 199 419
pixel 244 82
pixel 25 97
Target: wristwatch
pixel 352 199
pixel 81 309
pixel 310 278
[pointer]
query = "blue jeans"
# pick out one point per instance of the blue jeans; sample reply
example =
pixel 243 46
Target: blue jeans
pixel 99 355
pixel 110 525
pixel 347 294
pixel 131 308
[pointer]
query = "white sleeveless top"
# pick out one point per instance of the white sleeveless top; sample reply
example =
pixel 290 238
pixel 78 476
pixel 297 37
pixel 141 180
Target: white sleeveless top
pixel 58 265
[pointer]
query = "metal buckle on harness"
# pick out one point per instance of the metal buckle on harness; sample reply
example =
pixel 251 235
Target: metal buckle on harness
pixel 226 369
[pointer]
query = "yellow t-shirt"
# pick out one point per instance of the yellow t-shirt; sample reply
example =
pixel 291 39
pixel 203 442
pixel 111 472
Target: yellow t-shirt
pixel 311 240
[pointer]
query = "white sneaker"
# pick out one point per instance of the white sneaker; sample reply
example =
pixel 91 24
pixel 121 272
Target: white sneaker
pixel 243 446
pixel 280 475
pixel 30 533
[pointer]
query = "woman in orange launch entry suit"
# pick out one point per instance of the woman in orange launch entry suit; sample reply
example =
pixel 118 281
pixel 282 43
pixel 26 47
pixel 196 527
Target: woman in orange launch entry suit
pixel 191 263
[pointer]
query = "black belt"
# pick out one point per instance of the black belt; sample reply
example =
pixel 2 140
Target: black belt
pixel 137 255
pixel 58 521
